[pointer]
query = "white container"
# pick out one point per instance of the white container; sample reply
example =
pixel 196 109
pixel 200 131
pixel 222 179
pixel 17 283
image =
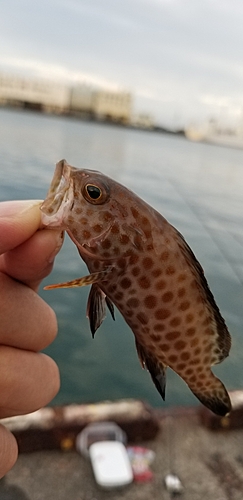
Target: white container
pixel 98 431
pixel 111 464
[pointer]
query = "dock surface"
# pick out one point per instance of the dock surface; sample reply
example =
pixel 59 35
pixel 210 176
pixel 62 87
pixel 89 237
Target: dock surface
pixel 208 463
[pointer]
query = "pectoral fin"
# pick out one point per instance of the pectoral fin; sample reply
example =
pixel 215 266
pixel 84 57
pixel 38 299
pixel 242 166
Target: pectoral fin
pixel 85 280
pixel 156 369
pixel 96 308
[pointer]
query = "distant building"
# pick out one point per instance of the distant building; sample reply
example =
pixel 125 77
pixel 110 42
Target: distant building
pixel 101 104
pixel 81 99
pixel 113 106
pixel 28 93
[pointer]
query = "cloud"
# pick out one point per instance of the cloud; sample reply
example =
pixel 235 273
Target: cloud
pixel 169 52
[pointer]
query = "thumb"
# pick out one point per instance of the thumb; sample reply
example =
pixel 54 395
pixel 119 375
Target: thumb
pixel 19 220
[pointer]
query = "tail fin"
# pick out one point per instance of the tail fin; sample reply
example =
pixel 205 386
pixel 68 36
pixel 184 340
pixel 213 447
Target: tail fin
pixel 215 397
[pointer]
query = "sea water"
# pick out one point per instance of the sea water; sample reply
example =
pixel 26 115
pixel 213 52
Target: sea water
pixel 197 187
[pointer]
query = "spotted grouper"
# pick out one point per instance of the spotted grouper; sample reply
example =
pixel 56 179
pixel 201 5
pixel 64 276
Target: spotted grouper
pixel 143 265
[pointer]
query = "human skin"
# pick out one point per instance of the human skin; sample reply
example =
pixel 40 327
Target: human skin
pixel 29 379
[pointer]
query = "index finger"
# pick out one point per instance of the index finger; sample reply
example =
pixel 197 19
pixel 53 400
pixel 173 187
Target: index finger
pixel 19 220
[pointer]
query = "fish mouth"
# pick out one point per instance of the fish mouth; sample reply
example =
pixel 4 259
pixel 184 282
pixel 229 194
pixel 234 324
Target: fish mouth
pixel 59 197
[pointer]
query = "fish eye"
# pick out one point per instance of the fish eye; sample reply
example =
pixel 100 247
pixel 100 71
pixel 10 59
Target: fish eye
pixel 95 194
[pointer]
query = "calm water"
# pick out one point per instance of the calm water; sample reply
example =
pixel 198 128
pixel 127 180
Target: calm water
pixel 197 187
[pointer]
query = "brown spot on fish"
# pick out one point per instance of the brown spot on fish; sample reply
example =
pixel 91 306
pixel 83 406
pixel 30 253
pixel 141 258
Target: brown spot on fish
pixel 83 220
pixel 175 321
pixel 164 347
pixel 190 332
pixel 135 271
pixel 116 251
pixel 194 342
pixel 124 239
pixel 155 337
pixel 135 213
pixel 119 296
pixel 107 255
pixel 162 313
pixel 147 263
pixel 121 263
pixel 184 305
pixel 173 358
pixel 156 272
pixel 195 361
pixel 180 345
pixel 165 255
pixel 188 371
pixel 189 318
pixel 173 335
pixel 75 232
pixel 185 356
pixel 106 244
pixel 144 282
pixel 78 211
pixel 133 302
pixel 160 327
pixel 107 216
pixel 181 292
pixel 181 366
pixel 199 370
pixel 150 301
pixel 170 270
pixel 126 283
pixel 133 259
pixel 160 285
pixel 206 322
pixel 181 277
pixel 167 297
pixel 97 228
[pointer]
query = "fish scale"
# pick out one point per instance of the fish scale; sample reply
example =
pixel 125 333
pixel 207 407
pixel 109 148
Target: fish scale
pixel 142 264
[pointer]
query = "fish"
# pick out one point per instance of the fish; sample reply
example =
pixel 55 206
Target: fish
pixel 142 265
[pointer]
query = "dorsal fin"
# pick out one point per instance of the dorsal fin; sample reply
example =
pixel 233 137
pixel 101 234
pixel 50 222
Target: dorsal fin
pixel 223 337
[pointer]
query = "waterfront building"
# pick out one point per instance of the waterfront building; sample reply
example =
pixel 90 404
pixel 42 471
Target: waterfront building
pixel 112 106
pixel 81 99
pixel 36 94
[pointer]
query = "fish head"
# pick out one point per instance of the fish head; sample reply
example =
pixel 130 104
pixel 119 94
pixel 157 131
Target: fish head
pixel 94 210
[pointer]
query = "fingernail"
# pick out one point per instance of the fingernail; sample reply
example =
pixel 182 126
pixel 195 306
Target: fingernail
pixel 11 209
pixel 29 205
pixel 59 241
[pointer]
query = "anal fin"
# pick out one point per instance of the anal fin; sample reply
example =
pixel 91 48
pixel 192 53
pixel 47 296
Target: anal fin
pixel 156 369
pixel 110 307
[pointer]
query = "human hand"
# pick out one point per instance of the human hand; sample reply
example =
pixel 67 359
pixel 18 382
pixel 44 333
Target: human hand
pixel 28 379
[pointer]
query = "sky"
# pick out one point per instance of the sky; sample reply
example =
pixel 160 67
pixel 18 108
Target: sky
pixel 181 59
